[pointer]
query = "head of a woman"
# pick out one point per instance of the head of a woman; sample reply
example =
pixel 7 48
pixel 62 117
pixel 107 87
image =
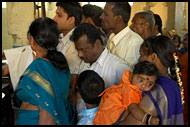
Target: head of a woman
pixel 162 48
pixel 44 32
pixel 43 38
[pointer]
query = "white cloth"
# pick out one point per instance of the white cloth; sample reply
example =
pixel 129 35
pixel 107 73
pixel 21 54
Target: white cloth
pixel 67 47
pixel 18 60
pixel 125 45
pixel 108 66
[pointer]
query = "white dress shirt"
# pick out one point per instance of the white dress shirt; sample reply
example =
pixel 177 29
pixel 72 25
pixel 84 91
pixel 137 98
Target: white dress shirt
pixel 67 47
pixel 108 66
pixel 125 45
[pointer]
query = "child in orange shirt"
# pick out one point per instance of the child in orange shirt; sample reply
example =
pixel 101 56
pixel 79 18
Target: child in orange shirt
pixel 118 98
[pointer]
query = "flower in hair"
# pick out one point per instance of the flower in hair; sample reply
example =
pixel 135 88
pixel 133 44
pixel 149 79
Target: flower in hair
pixel 178 74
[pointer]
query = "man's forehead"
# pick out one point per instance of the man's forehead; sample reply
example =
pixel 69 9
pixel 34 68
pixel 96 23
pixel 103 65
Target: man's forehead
pixel 59 10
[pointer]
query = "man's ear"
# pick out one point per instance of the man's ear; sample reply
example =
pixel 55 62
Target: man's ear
pixel 97 43
pixel 119 18
pixel 154 57
pixel 71 20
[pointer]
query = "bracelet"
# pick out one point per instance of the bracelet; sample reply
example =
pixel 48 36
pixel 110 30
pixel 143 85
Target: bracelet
pixel 149 120
pixel 145 115
pixel 148 116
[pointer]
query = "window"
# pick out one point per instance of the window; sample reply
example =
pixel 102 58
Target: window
pixel 4 5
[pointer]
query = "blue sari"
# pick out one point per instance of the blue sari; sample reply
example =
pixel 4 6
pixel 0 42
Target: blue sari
pixel 164 100
pixel 45 86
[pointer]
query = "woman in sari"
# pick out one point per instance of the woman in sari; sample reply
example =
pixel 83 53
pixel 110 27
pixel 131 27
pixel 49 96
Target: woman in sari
pixel 164 100
pixel 44 86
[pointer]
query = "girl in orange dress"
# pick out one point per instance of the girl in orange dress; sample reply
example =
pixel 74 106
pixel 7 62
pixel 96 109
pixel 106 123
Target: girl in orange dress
pixel 118 98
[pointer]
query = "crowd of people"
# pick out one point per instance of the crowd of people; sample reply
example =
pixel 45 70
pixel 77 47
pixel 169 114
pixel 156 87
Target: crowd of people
pixel 87 66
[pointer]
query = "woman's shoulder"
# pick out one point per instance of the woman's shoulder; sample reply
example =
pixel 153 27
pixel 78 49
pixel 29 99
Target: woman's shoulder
pixel 163 80
pixel 39 63
pixel 167 83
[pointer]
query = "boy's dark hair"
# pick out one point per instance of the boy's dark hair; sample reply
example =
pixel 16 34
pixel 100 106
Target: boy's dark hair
pixel 90 30
pixel 146 68
pixel 72 9
pixel 90 85
pixel 93 12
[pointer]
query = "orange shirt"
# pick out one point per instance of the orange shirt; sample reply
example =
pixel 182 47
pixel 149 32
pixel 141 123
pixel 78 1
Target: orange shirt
pixel 115 100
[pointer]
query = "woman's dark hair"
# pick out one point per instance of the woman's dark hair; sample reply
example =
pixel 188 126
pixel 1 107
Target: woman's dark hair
pixel 72 9
pixel 87 29
pixel 90 85
pixel 146 68
pixel 164 48
pixel 45 33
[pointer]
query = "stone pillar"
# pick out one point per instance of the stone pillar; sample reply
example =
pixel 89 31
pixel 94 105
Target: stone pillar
pixel 166 10
pixel 181 18
pixel 186 15
pixel 20 15
pixel 180 15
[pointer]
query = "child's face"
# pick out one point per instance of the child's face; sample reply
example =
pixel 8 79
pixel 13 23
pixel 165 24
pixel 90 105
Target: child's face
pixel 144 82
pixel 176 42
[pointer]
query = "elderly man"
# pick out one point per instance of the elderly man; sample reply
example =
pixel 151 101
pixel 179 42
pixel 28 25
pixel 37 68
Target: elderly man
pixel 143 24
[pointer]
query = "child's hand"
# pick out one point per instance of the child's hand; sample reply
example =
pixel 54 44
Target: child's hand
pixel 154 121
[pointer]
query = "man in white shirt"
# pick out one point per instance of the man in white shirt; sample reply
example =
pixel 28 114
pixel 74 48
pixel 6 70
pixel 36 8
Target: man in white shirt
pixel 123 42
pixel 95 57
pixel 68 16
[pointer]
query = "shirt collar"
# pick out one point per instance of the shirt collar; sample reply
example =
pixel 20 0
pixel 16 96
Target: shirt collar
pixel 116 38
pixel 66 37
pixel 100 60
pixel 92 110
pixel 102 57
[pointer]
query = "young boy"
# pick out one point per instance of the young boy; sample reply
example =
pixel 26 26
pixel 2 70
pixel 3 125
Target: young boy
pixel 90 85
pixel 126 95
